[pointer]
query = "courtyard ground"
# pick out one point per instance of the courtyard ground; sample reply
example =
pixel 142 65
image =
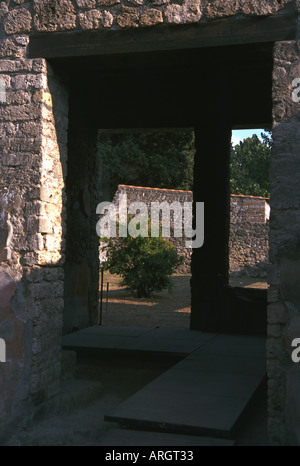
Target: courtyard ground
pixel 169 310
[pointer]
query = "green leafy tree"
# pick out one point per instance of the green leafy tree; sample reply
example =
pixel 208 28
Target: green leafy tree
pixel 155 159
pixel 250 166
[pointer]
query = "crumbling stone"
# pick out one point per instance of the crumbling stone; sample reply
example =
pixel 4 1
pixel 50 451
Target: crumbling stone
pixel 151 17
pixel 188 12
pixel 222 8
pixel 9 49
pixel 3 9
pixel 88 4
pixel 95 19
pixel 128 18
pixel 7 288
pixel 108 2
pixel 263 7
pixel 54 15
pixel 18 20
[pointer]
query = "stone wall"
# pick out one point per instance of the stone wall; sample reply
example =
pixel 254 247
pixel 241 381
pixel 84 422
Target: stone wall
pixel 249 236
pixel 250 209
pixel 33 128
pixel 249 249
pixel 249 228
pixel 284 277
pixel 19 18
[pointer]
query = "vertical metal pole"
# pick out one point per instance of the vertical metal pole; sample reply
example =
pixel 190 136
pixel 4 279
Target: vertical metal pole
pixel 101 296
pixel 107 290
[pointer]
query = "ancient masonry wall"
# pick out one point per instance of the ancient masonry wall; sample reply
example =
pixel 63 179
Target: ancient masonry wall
pixel 33 157
pixel 20 17
pixel 33 131
pixel 249 228
pixel 284 277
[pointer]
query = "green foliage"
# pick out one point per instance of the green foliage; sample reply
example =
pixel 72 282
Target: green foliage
pixel 165 159
pixel 155 159
pixel 145 264
pixel 250 166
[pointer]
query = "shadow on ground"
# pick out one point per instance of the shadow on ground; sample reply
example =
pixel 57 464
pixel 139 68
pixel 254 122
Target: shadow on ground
pixel 165 309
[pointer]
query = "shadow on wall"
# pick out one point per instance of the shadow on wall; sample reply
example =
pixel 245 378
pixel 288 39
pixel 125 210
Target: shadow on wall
pixel 13 371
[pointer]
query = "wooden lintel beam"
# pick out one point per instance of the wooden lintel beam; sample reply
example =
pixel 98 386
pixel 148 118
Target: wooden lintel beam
pixel 164 38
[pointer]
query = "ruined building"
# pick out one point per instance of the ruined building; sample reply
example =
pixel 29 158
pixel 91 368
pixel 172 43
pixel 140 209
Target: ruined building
pixel 71 67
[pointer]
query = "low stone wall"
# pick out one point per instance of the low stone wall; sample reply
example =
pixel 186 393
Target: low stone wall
pixel 248 249
pixel 250 209
pixel 249 227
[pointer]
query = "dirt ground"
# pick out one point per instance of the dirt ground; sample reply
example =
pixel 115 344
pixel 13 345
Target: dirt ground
pixel 170 310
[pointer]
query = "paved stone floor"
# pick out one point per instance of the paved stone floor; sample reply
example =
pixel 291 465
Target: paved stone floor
pixel 205 393
pixel 103 381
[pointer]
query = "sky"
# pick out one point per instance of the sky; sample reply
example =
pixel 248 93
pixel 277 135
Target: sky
pixel 240 135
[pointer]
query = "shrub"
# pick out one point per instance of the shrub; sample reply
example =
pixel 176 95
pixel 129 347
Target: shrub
pixel 145 264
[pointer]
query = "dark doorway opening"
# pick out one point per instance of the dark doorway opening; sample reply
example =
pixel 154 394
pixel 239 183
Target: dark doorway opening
pixel 210 90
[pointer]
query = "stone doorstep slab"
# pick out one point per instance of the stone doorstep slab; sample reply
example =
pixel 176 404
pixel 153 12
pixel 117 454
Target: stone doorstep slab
pixel 233 346
pixel 153 340
pixel 181 412
pixel 204 394
pixel 114 331
pixel 189 400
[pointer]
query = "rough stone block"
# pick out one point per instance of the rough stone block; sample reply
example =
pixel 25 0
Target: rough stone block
pixel 29 81
pixel 273 294
pixel 95 19
pixel 54 15
pixel 3 9
pixel 263 7
pixel 19 113
pixel 7 288
pixel 9 49
pixel 19 98
pixel 16 21
pixel 87 4
pixel 128 18
pixel 274 348
pixel 222 8
pixel 277 313
pixel 43 97
pixel 151 17
pixel 274 331
pixel 52 243
pixel 45 226
pixel 188 12
pixel 15 160
pixel 108 2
